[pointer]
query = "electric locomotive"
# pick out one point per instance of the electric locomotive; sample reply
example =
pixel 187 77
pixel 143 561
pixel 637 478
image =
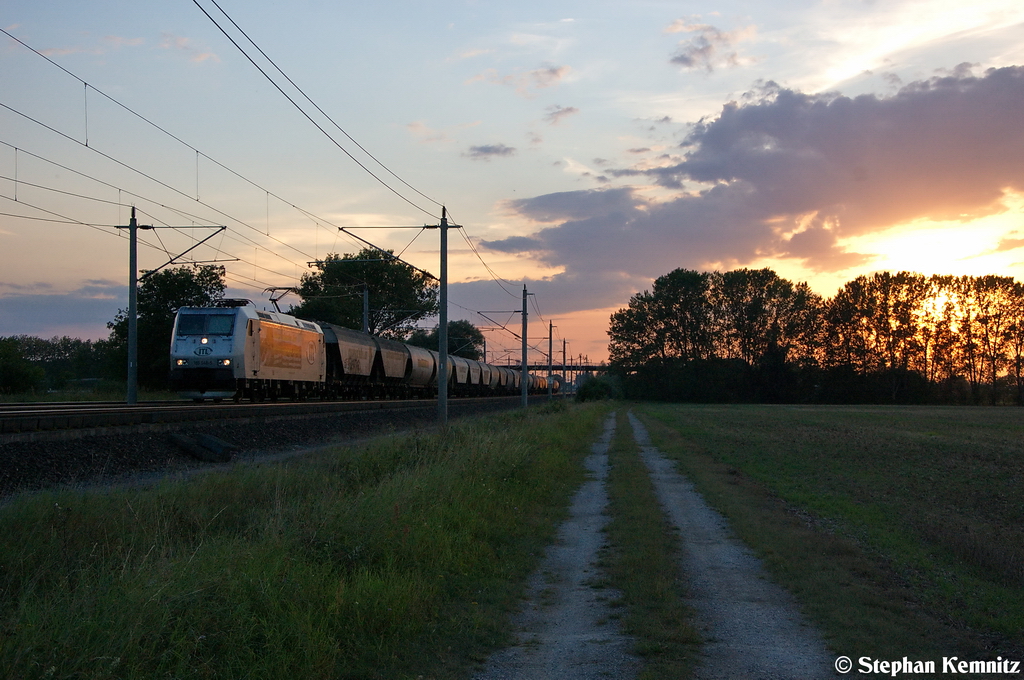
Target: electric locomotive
pixel 232 350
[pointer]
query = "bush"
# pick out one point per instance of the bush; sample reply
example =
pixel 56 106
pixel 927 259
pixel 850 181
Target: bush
pixel 598 388
pixel 17 374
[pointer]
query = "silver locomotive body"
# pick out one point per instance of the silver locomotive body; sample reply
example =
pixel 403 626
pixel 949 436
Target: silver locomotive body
pixel 207 352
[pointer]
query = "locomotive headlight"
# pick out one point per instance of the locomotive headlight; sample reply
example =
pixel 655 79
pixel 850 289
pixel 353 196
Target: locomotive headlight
pixel 226 362
pixel 205 340
pixel 182 362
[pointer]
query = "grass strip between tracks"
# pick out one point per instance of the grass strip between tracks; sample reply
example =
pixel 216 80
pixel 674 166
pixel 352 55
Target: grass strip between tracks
pixel 397 559
pixel 897 528
pixel 643 563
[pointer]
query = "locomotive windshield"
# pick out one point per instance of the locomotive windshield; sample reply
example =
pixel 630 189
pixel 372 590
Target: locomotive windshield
pixel 206 324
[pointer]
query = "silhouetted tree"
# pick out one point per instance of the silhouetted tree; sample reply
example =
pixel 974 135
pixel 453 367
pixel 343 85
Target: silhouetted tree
pixel 760 313
pixel 399 295
pixel 634 333
pixel 63 358
pixel 17 374
pixel 874 324
pixel 464 339
pixel 1015 341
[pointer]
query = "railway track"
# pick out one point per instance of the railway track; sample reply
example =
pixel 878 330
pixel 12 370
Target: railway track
pixel 28 422
pixel 61 446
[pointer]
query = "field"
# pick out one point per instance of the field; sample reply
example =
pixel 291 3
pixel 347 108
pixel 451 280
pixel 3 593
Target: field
pixel 399 558
pixel 899 529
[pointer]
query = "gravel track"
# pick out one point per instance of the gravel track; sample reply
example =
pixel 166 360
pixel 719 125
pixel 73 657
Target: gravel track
pixel 565 628
pixel 751 627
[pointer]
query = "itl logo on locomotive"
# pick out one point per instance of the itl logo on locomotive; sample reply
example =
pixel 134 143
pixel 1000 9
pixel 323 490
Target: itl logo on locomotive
pixel 203 351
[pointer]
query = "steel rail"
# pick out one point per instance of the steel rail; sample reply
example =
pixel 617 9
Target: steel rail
pixel 38 420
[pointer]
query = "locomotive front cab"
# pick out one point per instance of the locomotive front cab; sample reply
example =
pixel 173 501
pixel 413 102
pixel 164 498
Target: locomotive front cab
pixel 207 352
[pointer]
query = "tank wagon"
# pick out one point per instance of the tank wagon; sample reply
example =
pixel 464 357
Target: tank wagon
pixel 234 351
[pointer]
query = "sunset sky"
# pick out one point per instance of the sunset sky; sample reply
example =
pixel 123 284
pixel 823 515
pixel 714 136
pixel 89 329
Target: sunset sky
pixel 586 147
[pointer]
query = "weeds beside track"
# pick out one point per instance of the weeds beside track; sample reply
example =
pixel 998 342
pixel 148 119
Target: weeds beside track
pixel 399 559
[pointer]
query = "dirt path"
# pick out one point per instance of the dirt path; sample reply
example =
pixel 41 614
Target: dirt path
pixel 751 626
pixel 565 629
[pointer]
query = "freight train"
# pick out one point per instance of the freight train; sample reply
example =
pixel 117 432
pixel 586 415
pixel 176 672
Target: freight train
pixel 234 351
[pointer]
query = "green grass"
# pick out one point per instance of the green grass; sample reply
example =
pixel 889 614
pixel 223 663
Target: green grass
pixel 643 564
pixel 898 528
pixel 398 559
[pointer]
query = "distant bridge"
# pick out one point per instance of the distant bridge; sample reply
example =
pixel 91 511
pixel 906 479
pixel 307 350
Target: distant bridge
pixel 568 368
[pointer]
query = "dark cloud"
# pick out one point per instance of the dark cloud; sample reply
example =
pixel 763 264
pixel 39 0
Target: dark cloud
pixel 708 48
pixel 38 286
pixel 556 113
pixel 942 149
pixel 573 205
pixel 82 313
pixel 489 151
pixel 515 244
pixel 787 174
pixel 817 246
pixel 559 294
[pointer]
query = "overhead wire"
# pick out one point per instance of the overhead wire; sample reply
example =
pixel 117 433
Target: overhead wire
pixel 536 308
pixel 175 138
pixel 199 153
pixel 127 166
pixel 60 191
pixel 45 219
pixel 136 195
pixel 495 277
pixel 117 231
pixel 70 220
pixel 408 245
pixel 167 251
pixel 153 124
pixel 303 111
pixel 317 107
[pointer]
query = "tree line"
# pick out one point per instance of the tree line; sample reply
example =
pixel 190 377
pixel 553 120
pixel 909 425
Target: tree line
pixel 750 335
